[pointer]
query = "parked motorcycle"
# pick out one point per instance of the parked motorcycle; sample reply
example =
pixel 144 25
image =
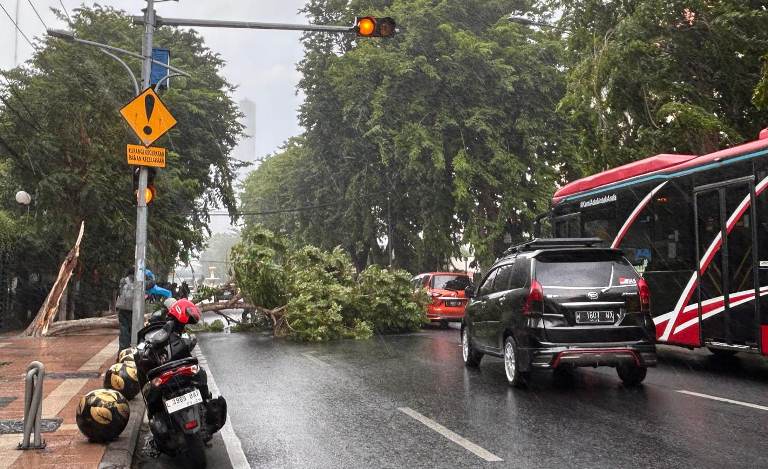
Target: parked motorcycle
pixel 183 416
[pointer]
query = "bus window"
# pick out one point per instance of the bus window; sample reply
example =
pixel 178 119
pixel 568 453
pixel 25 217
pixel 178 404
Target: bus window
pixel 567 226
pixel 673 244
pixel 636 243
pixel 600 222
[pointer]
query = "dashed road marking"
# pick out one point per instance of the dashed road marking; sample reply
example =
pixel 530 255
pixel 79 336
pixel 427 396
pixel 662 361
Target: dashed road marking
pixel 454 437
pixel 722 399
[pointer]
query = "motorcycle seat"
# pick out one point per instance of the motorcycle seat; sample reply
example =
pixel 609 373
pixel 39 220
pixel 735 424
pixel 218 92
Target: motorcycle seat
pixel 154 372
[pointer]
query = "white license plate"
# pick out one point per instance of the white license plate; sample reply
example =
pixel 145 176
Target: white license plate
pixel 595 317
pixel 182 402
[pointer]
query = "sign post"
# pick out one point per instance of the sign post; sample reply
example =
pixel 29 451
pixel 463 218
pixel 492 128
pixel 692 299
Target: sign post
pixel 137 319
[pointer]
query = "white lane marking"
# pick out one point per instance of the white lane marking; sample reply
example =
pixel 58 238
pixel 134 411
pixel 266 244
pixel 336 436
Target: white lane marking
pixel 231 441
pixel 314 359
pixel 722 399
pixel 456 438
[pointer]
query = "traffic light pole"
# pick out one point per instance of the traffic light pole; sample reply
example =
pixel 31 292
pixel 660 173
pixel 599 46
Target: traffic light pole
pixel 149 20
pixel 137 319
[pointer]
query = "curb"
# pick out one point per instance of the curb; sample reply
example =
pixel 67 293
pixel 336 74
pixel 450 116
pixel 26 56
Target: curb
pixel 119 453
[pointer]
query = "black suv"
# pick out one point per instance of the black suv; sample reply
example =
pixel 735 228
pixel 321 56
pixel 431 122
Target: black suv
pixel 560 303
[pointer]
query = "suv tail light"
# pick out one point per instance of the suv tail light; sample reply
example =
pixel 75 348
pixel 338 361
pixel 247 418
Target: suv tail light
pixel 190 370
pixel 645 295
pixel 535 301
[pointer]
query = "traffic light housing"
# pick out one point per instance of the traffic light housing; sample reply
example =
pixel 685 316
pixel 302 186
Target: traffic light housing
pixel 370 26
pixel 150 193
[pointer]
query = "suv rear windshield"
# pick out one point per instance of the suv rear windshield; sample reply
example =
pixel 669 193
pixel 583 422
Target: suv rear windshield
pixel 583 269
pixel 450 282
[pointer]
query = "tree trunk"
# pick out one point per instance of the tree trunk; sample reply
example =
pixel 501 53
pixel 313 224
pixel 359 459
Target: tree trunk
pixel 42 321
pixel 63 305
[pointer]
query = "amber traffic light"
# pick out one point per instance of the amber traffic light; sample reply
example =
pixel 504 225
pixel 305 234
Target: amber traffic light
pixel 369 26
pixel 149 194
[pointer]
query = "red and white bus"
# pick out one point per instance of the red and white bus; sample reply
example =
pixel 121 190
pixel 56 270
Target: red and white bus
pixel 696 228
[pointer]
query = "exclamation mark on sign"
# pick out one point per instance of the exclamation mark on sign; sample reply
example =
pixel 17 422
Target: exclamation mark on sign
pixel 149 106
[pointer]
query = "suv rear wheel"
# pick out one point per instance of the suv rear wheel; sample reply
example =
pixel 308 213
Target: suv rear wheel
pixel 515 377
pixel 471 356
pixel 631 375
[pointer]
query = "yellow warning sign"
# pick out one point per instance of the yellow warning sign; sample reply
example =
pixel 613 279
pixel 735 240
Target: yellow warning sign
pixel 145 156
pixel 148 116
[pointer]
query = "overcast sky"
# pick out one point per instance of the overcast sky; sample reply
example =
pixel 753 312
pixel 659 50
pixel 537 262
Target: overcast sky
pixel 262 64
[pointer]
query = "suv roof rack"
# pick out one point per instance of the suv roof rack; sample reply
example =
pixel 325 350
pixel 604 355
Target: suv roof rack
pixel 551 243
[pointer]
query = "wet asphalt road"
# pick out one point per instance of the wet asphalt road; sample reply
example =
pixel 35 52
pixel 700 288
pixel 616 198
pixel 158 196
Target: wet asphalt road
pixel 337 405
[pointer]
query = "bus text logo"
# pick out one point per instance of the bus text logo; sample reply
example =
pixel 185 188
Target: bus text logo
pixel 598 201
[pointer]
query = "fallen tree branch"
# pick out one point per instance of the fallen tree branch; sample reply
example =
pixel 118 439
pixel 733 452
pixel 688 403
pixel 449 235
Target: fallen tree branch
pixel 50 307
pixel 82 325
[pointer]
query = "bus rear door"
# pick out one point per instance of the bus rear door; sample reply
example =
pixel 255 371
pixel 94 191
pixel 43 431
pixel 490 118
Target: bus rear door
pixel 726 238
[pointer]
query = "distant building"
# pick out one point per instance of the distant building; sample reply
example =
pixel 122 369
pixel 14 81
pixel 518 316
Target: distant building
pixel 246 148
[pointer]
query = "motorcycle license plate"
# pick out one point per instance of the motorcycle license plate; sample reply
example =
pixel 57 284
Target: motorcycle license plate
pixel 182 402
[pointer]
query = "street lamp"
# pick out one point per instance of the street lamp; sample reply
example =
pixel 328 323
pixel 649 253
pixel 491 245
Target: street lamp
pixel 23 198
pixel 69 36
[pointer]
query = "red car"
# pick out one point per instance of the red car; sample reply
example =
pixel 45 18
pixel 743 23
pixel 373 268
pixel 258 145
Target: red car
pixel 447 292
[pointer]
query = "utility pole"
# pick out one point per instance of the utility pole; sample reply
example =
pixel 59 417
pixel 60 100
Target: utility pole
pixel 137 321
pixel 16 42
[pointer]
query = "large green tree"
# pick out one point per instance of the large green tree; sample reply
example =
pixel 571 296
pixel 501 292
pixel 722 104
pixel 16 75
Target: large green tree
pixel 460 128
pixel 64 142
pixel 430 140
pixel 652 76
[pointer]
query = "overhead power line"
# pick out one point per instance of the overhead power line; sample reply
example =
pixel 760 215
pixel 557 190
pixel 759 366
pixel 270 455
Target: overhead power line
pixel 297 209
pixel 274 212
pixel 37 13
pixel 17 26
pixel 66 12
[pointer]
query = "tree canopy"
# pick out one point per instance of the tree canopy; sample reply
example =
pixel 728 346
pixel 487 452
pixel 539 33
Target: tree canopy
pixel 458 130
pixel 63 141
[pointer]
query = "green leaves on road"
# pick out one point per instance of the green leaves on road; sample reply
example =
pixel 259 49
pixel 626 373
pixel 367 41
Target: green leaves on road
pixel 324 298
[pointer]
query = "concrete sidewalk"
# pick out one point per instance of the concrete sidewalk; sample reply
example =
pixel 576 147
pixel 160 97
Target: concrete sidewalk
pixel 73 366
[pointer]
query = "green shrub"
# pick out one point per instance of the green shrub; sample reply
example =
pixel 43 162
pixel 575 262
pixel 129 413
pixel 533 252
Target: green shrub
pixel 385 299
pixel 216 326
pixel 257 265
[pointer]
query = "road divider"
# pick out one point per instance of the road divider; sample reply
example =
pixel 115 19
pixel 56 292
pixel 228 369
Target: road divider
pixel 454 437
pixel 723 399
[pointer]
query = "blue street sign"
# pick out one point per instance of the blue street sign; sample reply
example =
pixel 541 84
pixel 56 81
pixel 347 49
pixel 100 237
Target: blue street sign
pixel 158 71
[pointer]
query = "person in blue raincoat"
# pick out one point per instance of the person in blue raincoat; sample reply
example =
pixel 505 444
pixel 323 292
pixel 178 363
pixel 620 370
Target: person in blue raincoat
pixel 124 303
